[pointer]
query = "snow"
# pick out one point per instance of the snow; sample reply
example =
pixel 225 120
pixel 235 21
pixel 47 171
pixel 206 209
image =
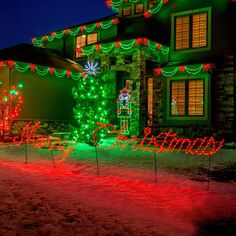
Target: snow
pixel 71 199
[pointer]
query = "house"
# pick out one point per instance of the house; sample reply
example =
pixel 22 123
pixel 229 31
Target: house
pixel 175 58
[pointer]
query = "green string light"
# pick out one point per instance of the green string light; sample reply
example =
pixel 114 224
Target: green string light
pixel 73 31
pixel 44 70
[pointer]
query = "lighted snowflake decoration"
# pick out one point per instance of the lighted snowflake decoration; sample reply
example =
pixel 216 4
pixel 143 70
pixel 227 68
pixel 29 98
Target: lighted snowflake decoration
pixel 91 68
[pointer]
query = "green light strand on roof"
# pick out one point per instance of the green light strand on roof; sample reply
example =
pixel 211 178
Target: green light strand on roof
pixel 39 41
pixel 23 67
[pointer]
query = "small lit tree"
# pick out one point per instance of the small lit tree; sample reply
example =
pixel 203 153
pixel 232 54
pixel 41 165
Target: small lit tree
pixel 91 105
pixel 10 107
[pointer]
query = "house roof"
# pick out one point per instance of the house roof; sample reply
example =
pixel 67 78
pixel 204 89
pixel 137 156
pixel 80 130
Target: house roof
pixel 41 56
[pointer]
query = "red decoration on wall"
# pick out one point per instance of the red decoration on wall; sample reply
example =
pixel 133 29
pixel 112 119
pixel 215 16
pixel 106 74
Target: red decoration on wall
pixel 115 21
pixel 11 64
pixel 33 67
pixel 79 50
pixel 139 41
pixel 51 70
pixel 208 67
pixel 108 3
pixel 117 44
pixel 145 41
pixel 164 142
pixel 182 68
pixel 68 72
pixel 82 28
pixel 84 75
pixel 98 24
pixel 67 31
pixel 158 46
pixel 44 38
pixel 52 33
pixel 158 71
pixel 147 14
pixel 97 47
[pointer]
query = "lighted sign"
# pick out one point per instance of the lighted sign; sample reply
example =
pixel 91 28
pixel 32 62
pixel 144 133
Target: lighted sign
pixel 29 136
pixel 164 142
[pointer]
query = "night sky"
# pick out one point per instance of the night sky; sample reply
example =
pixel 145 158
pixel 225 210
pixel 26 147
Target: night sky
pixel 22 20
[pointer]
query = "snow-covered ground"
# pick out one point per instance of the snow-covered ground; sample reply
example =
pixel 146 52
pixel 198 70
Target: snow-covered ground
pixel 71 199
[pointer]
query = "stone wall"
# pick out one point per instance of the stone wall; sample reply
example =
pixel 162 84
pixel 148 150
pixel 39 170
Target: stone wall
pixel 46 128
pixel 224 117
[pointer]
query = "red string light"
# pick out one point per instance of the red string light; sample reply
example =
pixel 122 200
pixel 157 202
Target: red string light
pixel 29 136
pixel 164 142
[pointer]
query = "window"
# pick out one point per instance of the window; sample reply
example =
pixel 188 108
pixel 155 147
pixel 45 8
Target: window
pixel 150 101
pixel 84 40
pixel 187 97
pixel 81 41
pixel 192 29
pixel 139 8
pixel 127 11
pixel 92 38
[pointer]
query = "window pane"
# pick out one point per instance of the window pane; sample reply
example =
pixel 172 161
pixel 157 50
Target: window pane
pixel 178 98
pixel 139 8
pixel 127 11
pixel 196 98
pixel 150 101
pixel 199 37
pixel 92 38
pixel 182 33
pixel 80 42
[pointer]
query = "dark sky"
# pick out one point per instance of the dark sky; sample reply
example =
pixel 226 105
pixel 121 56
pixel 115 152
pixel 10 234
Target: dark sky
pixel 22 20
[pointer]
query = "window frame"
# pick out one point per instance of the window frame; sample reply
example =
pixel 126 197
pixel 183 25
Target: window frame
pixel 135 8
pixel 190 13
pixel 188 119
pixel 186 96
pixel 128 6
pixel 86 41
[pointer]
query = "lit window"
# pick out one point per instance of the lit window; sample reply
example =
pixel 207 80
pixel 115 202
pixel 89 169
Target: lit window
pixel 191 31
pixel 182 33
pixel 199 38
pixel 92 38
pixel 139 8
pixel 150 101
pixel 81 41
pixel 187 98
pixel 127 11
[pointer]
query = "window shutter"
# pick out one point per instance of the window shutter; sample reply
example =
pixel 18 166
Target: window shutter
pixel 182 33
pixel 199 37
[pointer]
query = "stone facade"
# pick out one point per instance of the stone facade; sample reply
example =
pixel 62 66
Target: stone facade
pixel 225 99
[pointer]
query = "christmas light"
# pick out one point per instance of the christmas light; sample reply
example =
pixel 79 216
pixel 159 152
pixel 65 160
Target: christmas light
pixel 189 69
pixel 39 41
pixel 43 70
pixel 164 142
pixel 125 45
pixel 29 137
pixel 91 68
pixel 10 107
pixel 116 4
pixel 91 106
